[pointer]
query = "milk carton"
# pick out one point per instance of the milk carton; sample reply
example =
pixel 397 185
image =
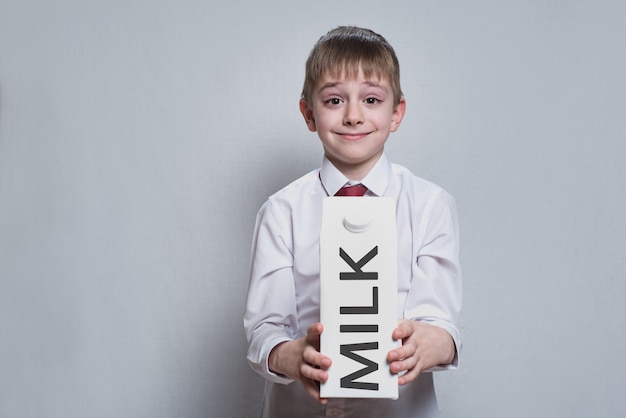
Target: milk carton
pixel 358 299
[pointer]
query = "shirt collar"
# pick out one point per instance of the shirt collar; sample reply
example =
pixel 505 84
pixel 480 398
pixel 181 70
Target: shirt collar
pixel 376 180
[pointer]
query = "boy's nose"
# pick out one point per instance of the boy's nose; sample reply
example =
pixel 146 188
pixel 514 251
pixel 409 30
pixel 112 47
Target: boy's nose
pixel 353 115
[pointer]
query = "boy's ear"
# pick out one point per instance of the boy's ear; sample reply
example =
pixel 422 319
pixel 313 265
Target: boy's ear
pixel 398 114
pixel 307 112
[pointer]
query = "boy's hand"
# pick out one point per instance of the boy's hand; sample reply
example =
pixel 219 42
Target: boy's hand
pixel 423 346
pixel 301 360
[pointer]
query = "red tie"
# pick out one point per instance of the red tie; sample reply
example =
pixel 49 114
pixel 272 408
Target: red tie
pixel 356 190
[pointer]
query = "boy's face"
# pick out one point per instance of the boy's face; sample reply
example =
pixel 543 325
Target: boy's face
pixel 353 118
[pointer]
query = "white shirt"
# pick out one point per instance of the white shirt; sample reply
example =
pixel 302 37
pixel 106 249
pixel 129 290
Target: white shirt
pixel 283 293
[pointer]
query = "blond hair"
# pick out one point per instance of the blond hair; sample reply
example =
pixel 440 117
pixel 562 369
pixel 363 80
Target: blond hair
pixel 346 50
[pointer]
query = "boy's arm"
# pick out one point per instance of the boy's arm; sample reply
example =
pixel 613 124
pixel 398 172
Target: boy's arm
pixel 436 289
pixel 271 317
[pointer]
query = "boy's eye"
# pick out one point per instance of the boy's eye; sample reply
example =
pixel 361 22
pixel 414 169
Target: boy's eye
pixel 333 101
pixel 371 100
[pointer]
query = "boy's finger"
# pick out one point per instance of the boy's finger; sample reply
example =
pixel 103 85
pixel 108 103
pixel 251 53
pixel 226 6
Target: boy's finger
pixel 314 358
pixel 404 329
pixel 398 334
pixel 313 373
pixel 314 331
pixel 408 377
pixel 405 351
pixel 312 389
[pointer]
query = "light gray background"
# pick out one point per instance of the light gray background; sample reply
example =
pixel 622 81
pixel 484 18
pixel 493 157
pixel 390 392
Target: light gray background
pixel 138 139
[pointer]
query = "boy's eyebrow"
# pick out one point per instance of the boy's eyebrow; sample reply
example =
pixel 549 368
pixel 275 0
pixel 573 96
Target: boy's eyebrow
pixel 331 84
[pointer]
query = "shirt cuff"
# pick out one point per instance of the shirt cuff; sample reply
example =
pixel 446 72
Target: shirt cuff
pixel 261 363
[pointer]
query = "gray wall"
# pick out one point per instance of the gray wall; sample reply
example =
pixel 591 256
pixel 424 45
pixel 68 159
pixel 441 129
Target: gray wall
pixel 138 139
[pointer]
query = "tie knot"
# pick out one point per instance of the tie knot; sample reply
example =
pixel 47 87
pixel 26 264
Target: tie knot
pixel 356 190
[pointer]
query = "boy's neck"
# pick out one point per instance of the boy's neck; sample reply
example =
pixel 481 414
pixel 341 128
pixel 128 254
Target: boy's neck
pixel 355 172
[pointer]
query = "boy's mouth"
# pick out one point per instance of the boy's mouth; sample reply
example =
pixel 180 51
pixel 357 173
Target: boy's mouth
pixel 353 136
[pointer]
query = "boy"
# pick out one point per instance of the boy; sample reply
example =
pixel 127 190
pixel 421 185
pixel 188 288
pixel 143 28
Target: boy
pixel 352 99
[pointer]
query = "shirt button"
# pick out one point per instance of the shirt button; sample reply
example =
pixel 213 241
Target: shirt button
pixel 335 412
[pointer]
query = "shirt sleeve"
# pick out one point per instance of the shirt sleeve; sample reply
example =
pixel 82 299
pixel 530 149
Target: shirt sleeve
pixel 271 315
pixel 435 295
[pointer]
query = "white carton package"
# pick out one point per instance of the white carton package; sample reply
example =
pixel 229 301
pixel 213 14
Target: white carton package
pixel 358 296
